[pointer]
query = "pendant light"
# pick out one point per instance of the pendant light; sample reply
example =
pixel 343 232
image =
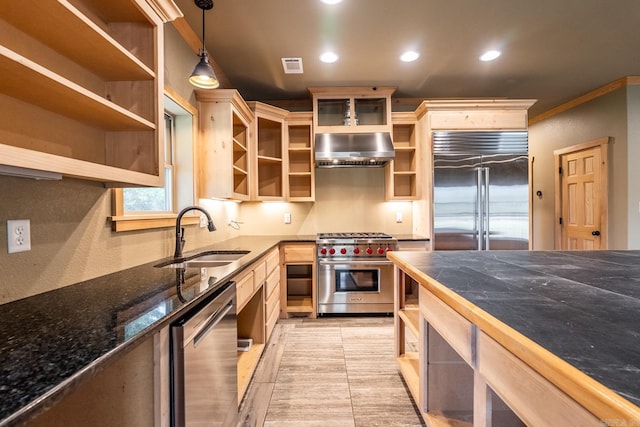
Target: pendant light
pixel 203 75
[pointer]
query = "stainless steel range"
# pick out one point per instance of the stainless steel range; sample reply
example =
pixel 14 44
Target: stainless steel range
pixel 354 275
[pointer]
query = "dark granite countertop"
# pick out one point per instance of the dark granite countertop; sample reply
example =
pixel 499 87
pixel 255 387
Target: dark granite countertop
pixel 584 307
pixel 53 341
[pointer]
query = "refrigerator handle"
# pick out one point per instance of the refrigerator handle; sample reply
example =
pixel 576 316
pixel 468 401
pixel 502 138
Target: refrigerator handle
pixel 486 208
pixel 479 209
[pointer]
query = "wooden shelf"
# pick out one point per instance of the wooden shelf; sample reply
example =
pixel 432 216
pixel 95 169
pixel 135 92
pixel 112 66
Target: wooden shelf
pixel 409 364
pixel 32 83
pixel 66 30
pixel 300 304
pixel 411 318
pixel 247 363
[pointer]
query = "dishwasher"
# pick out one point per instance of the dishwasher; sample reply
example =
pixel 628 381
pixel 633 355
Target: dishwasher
pixel 204 360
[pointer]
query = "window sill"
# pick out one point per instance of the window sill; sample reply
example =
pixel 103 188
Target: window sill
pixel 150 221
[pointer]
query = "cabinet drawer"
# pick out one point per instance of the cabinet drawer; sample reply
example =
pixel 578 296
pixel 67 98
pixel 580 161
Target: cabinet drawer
pixel 533 398
pixel 298 253
pixel 273 260
pixel 454 328
pixel 273 302
pixel 271 322
pixel 244 289
pixel 272 283
pixel 259 273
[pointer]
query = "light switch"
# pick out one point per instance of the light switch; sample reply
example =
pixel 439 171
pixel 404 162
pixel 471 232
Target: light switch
pixel 398 216
pixel 287 218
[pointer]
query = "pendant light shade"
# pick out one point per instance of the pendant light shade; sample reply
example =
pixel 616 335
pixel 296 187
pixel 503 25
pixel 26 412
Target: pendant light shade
pixel 203 75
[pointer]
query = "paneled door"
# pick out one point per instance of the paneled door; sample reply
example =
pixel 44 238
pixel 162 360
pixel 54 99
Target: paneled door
pixel 581 196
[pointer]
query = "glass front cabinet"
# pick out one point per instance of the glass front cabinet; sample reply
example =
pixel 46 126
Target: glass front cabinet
pixel 351 109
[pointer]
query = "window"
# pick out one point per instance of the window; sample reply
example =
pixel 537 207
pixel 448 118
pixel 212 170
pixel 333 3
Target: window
pixel 141 208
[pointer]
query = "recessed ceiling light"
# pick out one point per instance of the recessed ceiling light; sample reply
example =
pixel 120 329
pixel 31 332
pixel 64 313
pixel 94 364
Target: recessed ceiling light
pixel 331 1
pixel 328 57
pixel 409 56
pixel 490 55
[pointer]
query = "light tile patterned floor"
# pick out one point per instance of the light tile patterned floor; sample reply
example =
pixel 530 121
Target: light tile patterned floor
pixel 328 372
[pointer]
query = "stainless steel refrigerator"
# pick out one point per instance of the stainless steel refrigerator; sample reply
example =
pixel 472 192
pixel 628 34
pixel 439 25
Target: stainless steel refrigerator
pixel 481 190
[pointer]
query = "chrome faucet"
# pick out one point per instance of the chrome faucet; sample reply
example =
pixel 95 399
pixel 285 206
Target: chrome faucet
pixel 180 230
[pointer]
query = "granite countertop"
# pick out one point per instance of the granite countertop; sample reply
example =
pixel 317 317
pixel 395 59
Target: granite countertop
pixel 53 341
pixel 584 307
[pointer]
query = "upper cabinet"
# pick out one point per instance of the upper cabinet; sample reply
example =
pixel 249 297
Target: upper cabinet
pixel 351 109
pixel 269 151
pixel 403 180
pixel 81 88
pixel 224 153
pixel 300 182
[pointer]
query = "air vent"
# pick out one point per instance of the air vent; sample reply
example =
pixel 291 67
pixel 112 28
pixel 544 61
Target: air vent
pixel 292 65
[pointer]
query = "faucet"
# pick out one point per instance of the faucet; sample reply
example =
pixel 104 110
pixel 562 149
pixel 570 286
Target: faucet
pixel 180 231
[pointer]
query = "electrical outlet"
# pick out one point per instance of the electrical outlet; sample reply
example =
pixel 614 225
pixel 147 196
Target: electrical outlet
pixel 18 235
pixel 203 221
pixel 287 218
pixel 398 216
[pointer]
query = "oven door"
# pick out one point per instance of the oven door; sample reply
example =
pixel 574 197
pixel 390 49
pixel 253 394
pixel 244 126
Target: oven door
pixel 353 286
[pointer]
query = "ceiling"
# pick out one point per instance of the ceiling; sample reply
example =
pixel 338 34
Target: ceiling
pixel 552 50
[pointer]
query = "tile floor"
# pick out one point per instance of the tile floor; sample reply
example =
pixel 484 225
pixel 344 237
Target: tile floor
pixel 327 372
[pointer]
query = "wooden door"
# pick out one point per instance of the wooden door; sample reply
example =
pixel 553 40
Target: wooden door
pixel 581 196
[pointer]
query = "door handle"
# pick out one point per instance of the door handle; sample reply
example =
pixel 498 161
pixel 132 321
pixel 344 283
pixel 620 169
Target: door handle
pixel 595 233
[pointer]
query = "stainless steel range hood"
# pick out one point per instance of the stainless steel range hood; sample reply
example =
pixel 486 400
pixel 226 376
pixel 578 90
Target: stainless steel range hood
pixel 341 150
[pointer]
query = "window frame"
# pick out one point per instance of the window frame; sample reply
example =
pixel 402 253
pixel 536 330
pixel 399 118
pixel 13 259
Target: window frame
pixel 122 221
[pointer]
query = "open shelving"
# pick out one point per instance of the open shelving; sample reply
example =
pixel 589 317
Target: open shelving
pixel 91 72
pixel 402 172
pixel 225 121
pixel 268 143
pixel 301 172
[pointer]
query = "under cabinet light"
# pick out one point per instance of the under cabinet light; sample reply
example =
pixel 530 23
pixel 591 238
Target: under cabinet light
pixel 29 173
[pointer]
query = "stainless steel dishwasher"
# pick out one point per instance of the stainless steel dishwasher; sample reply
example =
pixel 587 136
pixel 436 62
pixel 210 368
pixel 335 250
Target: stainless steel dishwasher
pixel 204 386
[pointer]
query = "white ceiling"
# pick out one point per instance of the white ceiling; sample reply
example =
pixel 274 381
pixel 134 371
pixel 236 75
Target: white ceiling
pixel 553 50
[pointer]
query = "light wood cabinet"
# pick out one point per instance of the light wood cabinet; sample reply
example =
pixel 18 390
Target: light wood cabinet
pixel 225 156
pixel 460 376
pixel 298 278
pixel 268 150
pixel 257 313
pixel 351 109
pixel 300 181
pixel 402 173
pixel 81 88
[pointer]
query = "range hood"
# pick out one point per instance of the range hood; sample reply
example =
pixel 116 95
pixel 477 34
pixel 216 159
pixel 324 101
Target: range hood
pixel 342 150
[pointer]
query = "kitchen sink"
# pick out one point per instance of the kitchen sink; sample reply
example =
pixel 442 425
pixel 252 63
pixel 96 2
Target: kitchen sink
pixel 207 259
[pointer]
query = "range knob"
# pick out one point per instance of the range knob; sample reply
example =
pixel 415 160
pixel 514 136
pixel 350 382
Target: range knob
pixel 332 251
pixel 388 249
pixel 380 251
pixel 356 251
pixel 323 251
pixel 369 250
pixel 343 251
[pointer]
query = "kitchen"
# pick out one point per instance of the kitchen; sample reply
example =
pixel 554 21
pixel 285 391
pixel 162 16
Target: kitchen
pixel 72 241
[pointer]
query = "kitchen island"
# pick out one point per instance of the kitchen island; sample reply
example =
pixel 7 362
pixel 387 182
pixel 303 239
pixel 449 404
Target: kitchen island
pixel 555 335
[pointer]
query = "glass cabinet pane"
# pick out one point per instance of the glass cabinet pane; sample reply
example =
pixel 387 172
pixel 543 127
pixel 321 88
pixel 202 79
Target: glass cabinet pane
pixel 371 111
pixel 333 112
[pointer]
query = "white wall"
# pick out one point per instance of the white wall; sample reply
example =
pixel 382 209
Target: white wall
pixel 601 117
